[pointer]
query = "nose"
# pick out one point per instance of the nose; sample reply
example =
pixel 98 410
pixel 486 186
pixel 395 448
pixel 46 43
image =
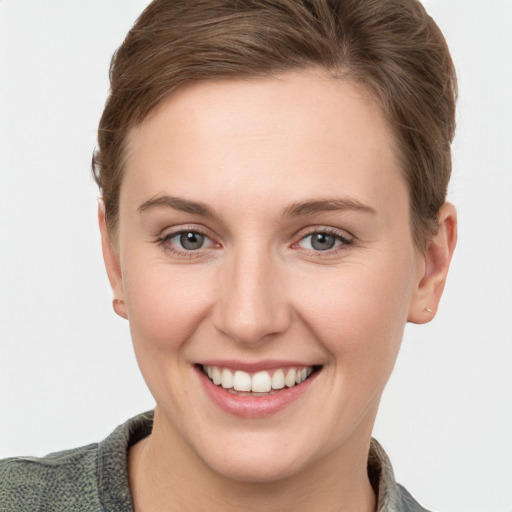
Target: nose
pixel 251 305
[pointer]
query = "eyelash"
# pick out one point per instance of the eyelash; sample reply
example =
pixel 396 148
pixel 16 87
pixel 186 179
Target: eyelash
pixel 164 242
pixel 342 246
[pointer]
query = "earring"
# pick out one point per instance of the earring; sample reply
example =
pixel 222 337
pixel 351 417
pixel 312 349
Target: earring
pixel 428 310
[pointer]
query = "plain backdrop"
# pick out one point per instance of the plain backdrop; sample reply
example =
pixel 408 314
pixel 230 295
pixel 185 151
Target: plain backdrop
pixel 67 373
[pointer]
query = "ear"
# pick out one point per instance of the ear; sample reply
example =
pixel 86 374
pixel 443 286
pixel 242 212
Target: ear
pixel 437 258
pixel 112 265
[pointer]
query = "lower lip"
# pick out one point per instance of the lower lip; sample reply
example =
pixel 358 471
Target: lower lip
pixel 253 407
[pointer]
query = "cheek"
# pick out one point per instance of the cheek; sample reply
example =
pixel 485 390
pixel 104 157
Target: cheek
pixel 165 305
pixel 358 312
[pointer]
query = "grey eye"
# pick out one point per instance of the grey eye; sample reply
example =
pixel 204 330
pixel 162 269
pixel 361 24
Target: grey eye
pixel 190 240
pixel 322 241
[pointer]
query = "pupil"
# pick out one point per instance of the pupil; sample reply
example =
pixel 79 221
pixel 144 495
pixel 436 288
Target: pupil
pixel 191 241
pixel 322 242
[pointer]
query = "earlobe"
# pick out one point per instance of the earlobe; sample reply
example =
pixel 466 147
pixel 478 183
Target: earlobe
pixel 437 260
pixel 112 265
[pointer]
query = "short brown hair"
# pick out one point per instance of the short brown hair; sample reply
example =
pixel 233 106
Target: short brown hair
pixel 392 47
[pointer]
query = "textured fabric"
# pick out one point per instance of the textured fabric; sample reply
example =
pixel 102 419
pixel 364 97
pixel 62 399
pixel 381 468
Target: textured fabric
pixel 94 478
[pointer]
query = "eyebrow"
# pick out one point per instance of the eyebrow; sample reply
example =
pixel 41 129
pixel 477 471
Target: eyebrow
pixel 177 203
pixel 327 205
pixel 293 210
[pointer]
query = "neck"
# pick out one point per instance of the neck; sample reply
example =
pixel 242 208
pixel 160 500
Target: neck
pixel 167 475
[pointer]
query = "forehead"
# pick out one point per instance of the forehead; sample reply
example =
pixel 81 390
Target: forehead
pixel 290 135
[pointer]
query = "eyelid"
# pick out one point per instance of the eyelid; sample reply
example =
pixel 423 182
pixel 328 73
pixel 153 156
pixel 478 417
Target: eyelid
pixel 328 230
pixel 206 239
pixel 165 235
pixel 170 231
pixel 346 239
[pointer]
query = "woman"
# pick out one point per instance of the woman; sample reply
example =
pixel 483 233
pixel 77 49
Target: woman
pixel 273 179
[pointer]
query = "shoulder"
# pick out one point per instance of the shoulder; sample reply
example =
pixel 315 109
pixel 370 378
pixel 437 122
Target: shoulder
pixel 60 481
pixel 391 496
pixel 407 502
pixel 93 478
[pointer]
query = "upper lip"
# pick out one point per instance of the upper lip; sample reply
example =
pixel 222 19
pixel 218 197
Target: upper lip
pixel 255 366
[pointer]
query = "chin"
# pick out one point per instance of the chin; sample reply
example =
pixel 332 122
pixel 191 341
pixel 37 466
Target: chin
pixel 258 460
pixel 256 470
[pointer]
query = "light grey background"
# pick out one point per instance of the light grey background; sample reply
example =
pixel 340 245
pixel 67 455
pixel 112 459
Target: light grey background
pixel 67 372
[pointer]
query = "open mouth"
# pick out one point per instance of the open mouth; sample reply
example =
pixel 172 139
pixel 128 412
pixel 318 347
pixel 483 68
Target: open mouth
pixel 260 383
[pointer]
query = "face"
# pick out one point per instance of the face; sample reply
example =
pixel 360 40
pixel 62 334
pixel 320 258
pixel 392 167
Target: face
pixel 264 238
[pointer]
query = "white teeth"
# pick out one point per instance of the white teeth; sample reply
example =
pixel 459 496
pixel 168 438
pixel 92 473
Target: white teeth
pixel 242 381
pixel 260 382
pixel 227 379
pixel 278 380
pixel 216 376
pixel 290 378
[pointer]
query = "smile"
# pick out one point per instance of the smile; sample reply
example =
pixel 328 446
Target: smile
pixel 256 390
pixel 261 383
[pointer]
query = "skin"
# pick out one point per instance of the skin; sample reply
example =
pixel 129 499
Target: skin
pixel 250 151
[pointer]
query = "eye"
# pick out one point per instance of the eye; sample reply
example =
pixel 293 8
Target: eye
pixel 185 241
pixel 322 241
pixel 190 240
